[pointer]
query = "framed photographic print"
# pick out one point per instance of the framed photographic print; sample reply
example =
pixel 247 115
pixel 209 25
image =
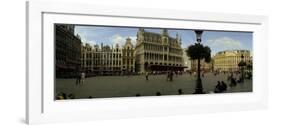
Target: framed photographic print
pixel 90 62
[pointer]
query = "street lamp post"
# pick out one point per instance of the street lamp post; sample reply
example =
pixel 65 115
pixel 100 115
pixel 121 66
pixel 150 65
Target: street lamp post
pixel 199 87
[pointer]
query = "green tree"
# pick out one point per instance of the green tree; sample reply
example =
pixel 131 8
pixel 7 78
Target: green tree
pixel 242 63
pixel 198 51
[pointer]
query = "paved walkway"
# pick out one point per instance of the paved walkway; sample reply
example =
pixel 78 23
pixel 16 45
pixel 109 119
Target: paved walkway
pixel 124 86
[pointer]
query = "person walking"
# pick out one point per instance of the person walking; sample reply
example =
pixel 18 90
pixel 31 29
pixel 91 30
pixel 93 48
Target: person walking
pixel 146 76
pixel 171 76
pixel 78 78
pixel 168 76
pixel 83 76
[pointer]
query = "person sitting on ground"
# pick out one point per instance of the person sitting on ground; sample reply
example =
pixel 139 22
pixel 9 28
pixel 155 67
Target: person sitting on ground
pixel 64 96
pixel 217 88
pixel 71 96
pixel 180 91
pixel 59 96
pixel 220 87
pixel 223 86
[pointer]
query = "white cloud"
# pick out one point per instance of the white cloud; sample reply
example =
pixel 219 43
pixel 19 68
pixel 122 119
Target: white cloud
pixel 87 31
pixel 92 43
pixel 121 40
pixel 116 39
pixel 224 43
pixel 134 40
pixel 84 40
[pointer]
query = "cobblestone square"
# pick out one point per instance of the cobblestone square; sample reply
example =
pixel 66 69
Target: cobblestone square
pixel 131 86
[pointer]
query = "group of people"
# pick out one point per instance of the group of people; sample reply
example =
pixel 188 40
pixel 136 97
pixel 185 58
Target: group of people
pixel 234 81
pixel 62 96
pixel 180 92
pixel 80 78
pixel 220 87
pixel 170 75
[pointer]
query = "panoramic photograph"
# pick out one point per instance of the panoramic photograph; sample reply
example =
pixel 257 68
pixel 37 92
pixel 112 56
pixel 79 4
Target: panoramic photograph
pixel 116 61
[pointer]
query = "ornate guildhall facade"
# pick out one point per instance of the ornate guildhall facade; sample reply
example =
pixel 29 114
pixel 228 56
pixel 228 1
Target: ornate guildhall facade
pixel 101 60
pixel 158 52
pixel 229 60
pixel 128 57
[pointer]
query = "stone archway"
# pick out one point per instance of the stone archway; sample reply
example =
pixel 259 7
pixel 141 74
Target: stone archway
pixel 146 66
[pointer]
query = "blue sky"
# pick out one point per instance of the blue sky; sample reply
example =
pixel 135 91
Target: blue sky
pixel 216 40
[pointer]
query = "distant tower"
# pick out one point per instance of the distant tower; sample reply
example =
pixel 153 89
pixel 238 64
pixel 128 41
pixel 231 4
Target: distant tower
pixel 177 36
pixel 180 42
pixel 164 37
pixel 177 39
pixel 164 32
pixel 141 29
pixel 70 28
pixel 128 43
pixel 140 35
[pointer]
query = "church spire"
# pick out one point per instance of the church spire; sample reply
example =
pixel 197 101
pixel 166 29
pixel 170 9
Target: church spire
pixel 165 32
pixel 141 29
